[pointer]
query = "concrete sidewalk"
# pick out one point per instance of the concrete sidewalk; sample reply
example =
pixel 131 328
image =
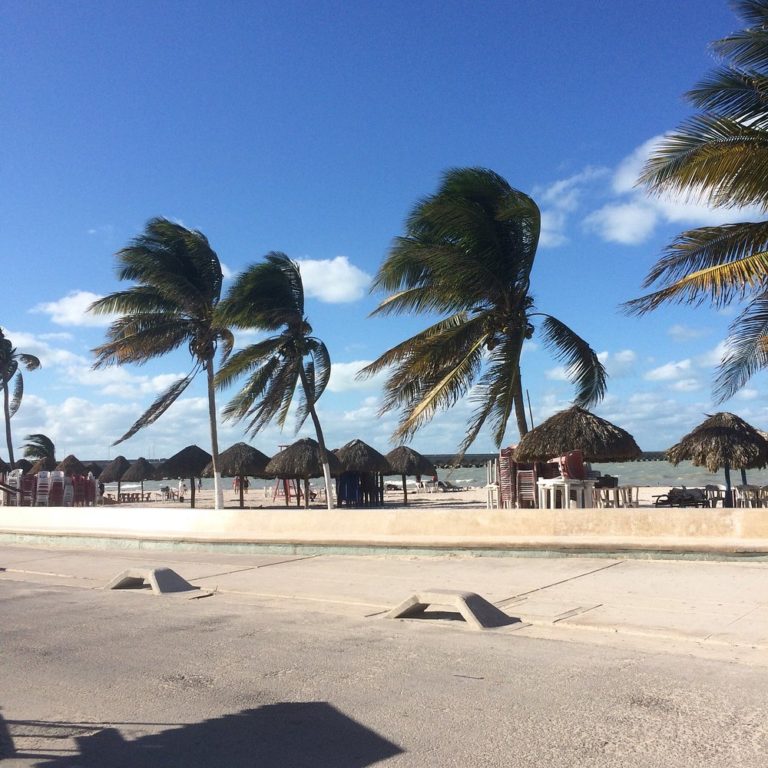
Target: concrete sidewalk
pixel 713 610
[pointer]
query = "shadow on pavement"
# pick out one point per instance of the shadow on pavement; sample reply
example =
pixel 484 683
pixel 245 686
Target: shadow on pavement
pixel 311 734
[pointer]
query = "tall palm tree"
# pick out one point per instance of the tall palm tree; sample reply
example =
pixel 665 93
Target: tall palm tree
pixel 10 362
pixel 39 446
pixel 269 297
pixel 467 255
pixel 720 156
pixel 177 287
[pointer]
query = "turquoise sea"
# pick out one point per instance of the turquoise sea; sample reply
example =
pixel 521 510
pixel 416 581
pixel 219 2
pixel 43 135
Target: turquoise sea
pixel 653 473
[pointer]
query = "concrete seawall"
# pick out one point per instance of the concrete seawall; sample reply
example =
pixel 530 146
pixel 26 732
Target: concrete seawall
pixel 683 529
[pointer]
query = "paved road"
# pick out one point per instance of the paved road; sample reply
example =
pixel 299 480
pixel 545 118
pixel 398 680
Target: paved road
pixel 289 662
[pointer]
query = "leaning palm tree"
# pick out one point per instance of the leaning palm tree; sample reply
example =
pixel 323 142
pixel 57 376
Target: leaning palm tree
pixel 10 362
pixel 467 255
pixel 269 297
pixel 178 286
pixel 720 157
pixel 39 446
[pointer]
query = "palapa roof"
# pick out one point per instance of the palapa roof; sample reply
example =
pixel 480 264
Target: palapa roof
pixel 723 439
pixel 188 462
pixel 240 460
pixel 114 471
pixel 23 464
pixel 302 460
pixel 46 464
pixel 357 456
pixel 139 471
pixel 577 429
pixel 4 465
pixel 73 465
pixel 93 468
pixel 405 461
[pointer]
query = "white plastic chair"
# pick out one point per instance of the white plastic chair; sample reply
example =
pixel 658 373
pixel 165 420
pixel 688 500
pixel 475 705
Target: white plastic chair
pixel 43 488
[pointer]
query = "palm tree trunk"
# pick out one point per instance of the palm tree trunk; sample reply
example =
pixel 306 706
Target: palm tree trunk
pixel 522 423
pixel 218 491
pixel 7 413
pixel 320 438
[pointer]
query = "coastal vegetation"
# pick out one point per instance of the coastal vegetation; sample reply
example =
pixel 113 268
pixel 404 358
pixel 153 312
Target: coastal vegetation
pixel 467 255
pixel 269 297
pixel 12 382
pixel 177 286
pixel 720 157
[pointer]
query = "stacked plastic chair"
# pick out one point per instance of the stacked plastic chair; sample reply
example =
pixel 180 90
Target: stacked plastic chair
pixel 56 491
pixel 69 492
pixel 14 481
pixel 28 488
pixel 79 483
pixel 43 488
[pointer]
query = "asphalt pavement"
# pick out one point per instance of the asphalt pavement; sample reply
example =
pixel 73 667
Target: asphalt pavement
pixel 275 660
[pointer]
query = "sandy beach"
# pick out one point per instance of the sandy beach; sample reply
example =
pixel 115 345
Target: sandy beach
pixel 262 498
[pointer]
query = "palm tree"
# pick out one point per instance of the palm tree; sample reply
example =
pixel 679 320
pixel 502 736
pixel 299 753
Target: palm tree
pixel 720 156
pixel 269 296
pixel 39 446
pixel 467 255
pixel 178 286
pixel 10 362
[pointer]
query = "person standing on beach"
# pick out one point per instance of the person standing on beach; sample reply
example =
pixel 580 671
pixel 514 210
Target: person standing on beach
pixel 182 490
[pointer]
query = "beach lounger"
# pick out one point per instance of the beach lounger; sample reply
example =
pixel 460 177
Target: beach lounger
pixel 682 497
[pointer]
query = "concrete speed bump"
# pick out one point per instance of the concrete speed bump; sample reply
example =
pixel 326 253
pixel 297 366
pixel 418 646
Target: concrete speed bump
pixel 162 580
pixel 474 609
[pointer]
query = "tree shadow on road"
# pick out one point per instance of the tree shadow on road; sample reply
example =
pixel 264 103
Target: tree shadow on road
pixel 311 734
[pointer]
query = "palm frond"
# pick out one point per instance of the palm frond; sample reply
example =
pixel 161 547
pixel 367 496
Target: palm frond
pixel 494 394
pixel 321 363
pixel 140 338
pixel 747 349
pixel 161 404
pixel 582 365
pixel 246 359
pixel 718 284
pixel 742 96
pixel 707 247
pixel 718 159
pixel 18 394
pixel 30 362
pixel 268 296
pixel 748 48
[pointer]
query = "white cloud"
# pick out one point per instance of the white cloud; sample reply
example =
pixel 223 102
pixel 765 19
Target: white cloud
pixel 72 310
pixel 560 199
pixel 714 356
pixel 634 214
pixel 685 333
pixel 343 377
pixel 686 385
pixel 334 281
pixel 618 364
pixel 559 373
pixel 670 371
pixel 625 223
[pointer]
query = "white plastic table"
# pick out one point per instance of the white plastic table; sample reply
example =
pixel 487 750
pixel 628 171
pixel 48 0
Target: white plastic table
pixel 584 491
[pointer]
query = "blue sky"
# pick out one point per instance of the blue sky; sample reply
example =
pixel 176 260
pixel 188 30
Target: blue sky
pixel 312 128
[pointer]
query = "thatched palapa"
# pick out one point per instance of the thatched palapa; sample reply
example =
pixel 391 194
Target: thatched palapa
pixel 357 456
pixel 301 461
pixel 362 481
pixel 138 472
pixel 93 468
pixel 240 460
pixel 72 465
pixel 577 429
pixel 46 464
pixel 405 461
pixel 722 440
pixel 189 463
pixel 114 471
pixel 23 464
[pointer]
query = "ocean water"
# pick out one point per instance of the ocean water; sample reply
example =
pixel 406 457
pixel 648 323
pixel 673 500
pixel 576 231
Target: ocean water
pixel 649 473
